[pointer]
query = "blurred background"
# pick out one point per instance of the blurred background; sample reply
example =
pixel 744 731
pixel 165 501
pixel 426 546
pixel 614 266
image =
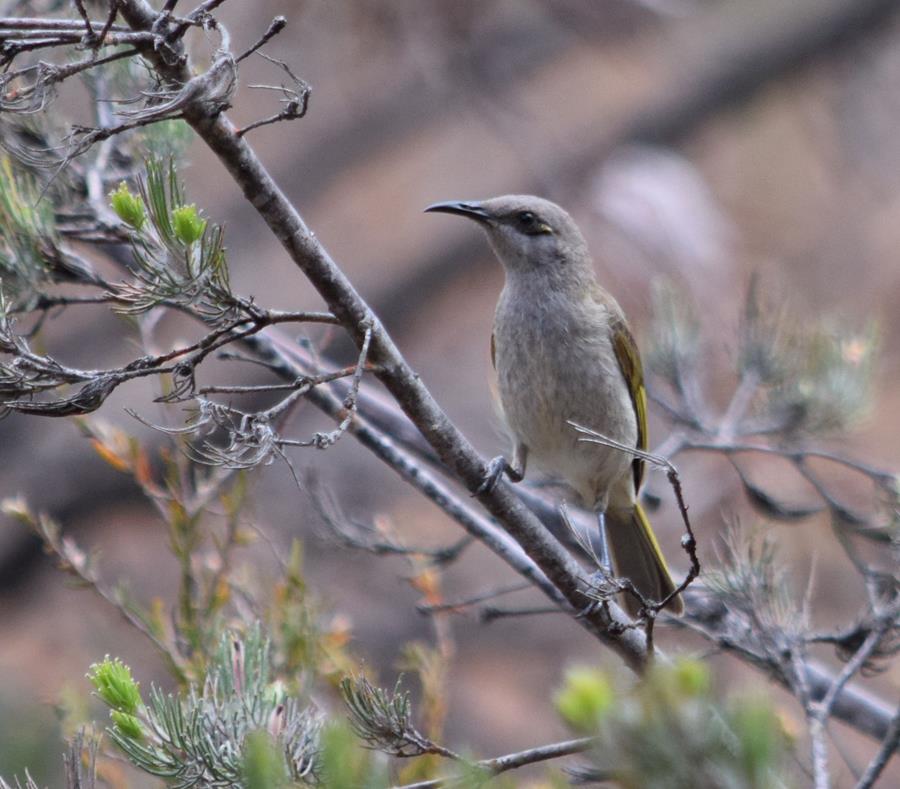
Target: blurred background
pixel 699 142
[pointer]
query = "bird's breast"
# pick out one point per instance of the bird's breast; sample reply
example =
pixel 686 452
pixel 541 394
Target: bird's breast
pixel 556 364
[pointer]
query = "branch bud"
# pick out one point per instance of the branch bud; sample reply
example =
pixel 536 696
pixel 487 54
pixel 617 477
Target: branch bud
pixel 188 224
pixel 128 206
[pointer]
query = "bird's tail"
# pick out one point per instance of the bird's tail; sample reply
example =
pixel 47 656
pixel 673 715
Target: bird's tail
pixel 636 556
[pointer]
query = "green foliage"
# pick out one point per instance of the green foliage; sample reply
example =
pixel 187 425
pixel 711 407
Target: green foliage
pixel 114 684
pixel 295 618
pixel 187 224
pixel 382 718
pixel 128 206
pixel 28 241
pixel 760 735
pixel 691 677
pixel 179 256
pixel 262 765
pixel 129 726
pixel 203 544
pixel 585 698
pixel 830 387
pixel 668 731
pixel 165 139
pixel 344 765
pixel 229 728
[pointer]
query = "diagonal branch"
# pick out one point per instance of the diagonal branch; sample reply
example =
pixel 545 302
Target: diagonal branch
pixel 454 450
pixel 879 762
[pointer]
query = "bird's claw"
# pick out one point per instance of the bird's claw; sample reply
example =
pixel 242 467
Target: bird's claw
pixel 601 589
pixel 602 577
pixel 496 469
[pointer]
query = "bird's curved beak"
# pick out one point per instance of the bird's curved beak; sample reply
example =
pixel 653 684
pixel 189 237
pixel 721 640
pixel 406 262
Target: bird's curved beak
pixel 471 209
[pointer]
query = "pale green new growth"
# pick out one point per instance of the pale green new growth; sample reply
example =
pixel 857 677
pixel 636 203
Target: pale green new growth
pixel 187 224
pixel 114 684
pixel 232 728
pixel 670 732
pixel 128 206
pixel 180 257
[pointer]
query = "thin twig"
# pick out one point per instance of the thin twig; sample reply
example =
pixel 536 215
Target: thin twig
pixel 887 620
pixel 109 24
pixel 41 23
pixel 881 476
pixel 688 541
pixel 73 559
pixel 275 27
pixel 489 613
pixel 456 606
pixel 512 761
pixel 295 101
pixel 79 6
pixel 885 752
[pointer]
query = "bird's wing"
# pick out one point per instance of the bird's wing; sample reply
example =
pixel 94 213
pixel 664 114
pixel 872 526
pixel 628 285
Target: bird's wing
pixel 493 351
pixel 630 364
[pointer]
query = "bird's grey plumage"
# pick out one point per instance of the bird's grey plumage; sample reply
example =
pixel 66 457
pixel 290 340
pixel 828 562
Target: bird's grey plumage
pixel 555 331
pixel 555 363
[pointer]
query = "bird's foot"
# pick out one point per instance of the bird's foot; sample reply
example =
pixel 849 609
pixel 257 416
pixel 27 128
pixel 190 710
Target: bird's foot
pixel 603 582
pixel 601 589
pixel 496 468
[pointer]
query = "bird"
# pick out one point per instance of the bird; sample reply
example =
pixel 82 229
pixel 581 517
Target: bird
pixel 563 353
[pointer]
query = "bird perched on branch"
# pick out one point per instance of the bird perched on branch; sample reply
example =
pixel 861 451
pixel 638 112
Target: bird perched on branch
pixel 564 354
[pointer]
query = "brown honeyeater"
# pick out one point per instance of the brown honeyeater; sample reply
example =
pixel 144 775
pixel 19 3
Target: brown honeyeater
pixel 563 353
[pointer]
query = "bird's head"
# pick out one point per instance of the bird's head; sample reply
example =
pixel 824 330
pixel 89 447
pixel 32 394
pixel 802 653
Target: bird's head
pixel 528 234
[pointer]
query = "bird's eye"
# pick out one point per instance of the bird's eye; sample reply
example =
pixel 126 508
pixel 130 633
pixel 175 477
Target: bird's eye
pixel 530 224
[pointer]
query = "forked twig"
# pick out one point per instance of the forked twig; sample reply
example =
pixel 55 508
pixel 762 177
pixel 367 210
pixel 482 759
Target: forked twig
pixel 688 541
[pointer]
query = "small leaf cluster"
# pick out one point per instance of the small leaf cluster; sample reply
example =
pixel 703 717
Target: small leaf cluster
pixel 342 763
pixel 674 346
pixel 179 255
pixel 816 377
pixel 238 728
pixel 810 377
pixel 753 581
pixel 382 718
pixel 115 686
pixel 668 732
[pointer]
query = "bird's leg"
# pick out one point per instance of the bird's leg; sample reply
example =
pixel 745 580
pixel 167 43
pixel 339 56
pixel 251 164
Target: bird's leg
pixel 499 466
pixel 602 577
pixel 602 545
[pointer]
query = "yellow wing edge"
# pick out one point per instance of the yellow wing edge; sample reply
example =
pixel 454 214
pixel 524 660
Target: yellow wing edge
pixel 629 360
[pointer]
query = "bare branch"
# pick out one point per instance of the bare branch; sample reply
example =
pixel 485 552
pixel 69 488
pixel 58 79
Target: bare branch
pixel 275 27
pixel 511 761
pixel 356 316
pixel 489 613
pixel 30 372
pixel 295 101
pixel 79 6
pixel 885 752
pixel 457 606
pixel 887 620
pixel 707 616
pixel 40 23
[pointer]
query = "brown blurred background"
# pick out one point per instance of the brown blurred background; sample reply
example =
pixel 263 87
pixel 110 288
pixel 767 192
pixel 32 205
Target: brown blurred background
pixel 698 140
